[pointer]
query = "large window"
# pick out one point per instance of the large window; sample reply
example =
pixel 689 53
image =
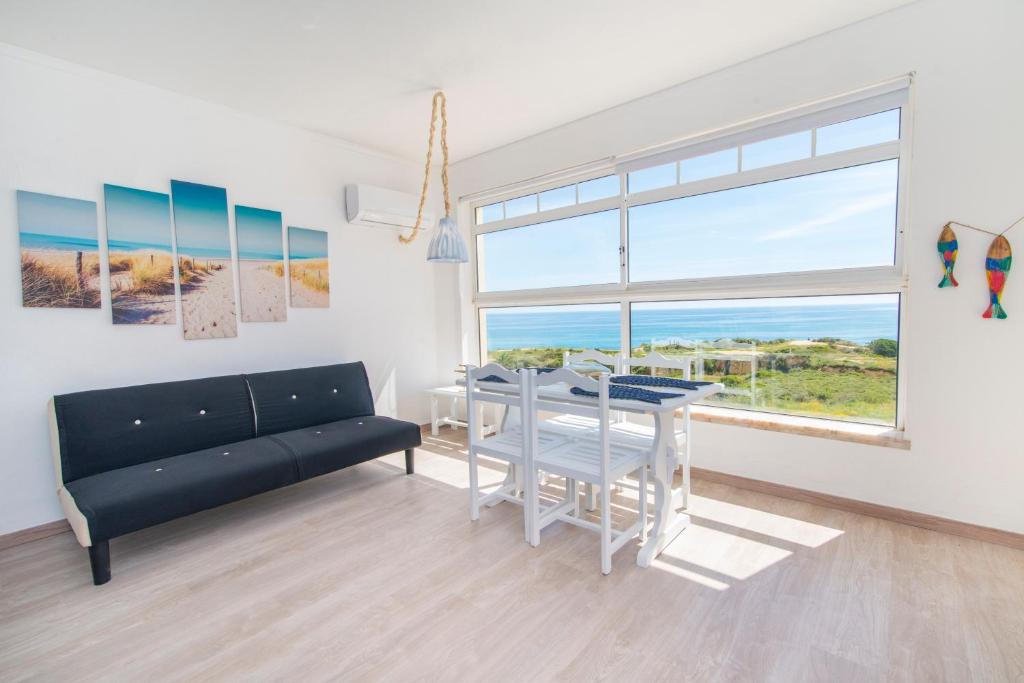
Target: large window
pixel 770 256
pixel 819 356
pixel 582 250
pixel 537 336
pixel 844 218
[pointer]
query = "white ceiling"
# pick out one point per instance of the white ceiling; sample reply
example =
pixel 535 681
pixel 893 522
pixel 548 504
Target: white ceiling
pixel 364 71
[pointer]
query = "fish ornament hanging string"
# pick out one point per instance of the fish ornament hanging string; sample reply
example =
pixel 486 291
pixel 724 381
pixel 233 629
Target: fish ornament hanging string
pixel 997 263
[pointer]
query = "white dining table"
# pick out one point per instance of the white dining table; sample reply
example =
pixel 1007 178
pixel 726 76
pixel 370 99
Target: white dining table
pixel 668 522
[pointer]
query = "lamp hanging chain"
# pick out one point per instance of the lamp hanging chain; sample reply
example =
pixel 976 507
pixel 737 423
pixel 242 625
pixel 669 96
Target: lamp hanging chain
pixel 439 95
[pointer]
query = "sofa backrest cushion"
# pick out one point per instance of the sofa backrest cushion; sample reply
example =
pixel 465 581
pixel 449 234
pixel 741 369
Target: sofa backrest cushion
pixel 108 429
pixel 293 399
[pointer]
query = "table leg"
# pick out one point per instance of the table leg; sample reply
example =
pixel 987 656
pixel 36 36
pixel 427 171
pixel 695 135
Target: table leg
pixel 686 460
pixel 433 415
pixel 667 522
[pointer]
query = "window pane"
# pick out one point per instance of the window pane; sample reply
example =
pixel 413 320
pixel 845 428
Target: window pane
pixel 536 336
pixel 489 213
pixel 823 356
pixel 867 130
pixel 651 178
pixel 582 250
pixel 599 188
pixel 777 150
pixel 837 219
pixel 521 206
pixel 708 165
pixel 558 197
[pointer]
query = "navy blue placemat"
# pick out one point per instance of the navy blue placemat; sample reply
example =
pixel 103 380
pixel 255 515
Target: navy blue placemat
pixel 623 393
pixel 648 381
pixel 499 380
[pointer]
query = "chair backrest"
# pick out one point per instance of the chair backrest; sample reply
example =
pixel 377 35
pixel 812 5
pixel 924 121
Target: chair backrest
pixel 543 397
pixel 656 361
pixel 612 361
pixel 491 392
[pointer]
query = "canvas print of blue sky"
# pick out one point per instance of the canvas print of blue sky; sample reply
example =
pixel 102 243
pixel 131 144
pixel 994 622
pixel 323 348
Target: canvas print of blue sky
pixel 140 256
pixel 260 264
pixel 308 267
pixel 60 258
pixel 204 260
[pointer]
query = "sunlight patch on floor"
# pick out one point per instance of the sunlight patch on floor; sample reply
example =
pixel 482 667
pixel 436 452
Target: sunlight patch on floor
pixel 722 553
pixel 760 522
pixel 688 574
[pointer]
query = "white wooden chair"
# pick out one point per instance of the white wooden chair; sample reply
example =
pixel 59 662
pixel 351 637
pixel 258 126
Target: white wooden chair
pixel 612 362
pixel 509 444
pixel 596 461
pixel 637 433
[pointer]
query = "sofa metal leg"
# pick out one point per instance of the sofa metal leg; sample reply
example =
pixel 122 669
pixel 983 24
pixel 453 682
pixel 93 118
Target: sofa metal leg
pixel 99 560
pixel 409 466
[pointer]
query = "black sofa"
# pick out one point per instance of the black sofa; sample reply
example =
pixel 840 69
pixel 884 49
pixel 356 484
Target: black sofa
pixel 133 457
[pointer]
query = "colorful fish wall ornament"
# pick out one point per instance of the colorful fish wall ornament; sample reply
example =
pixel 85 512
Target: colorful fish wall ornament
pixel 997 267
pixel 947 250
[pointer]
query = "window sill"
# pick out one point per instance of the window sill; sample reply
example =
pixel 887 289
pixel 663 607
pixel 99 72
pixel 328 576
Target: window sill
pixel 871 435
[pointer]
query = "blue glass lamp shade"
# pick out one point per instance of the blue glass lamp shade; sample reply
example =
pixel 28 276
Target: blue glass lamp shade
pixel 447 246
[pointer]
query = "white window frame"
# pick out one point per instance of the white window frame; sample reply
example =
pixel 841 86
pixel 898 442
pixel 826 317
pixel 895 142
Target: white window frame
pixel 886 279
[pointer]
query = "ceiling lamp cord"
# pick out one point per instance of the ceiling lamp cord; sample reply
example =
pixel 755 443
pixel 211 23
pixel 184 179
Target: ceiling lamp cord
pixel 438 96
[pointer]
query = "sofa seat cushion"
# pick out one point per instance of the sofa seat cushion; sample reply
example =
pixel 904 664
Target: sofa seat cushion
pixel 131 498
pixel 328 447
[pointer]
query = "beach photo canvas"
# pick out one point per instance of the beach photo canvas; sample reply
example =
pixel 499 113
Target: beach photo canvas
pixel 140 257
pixel 261 283
pixel 203 240
pixel 308 268
pixel 60 258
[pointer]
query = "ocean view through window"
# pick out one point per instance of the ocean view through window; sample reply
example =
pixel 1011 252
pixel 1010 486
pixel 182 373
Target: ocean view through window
pixel 770 257
pixel 825 356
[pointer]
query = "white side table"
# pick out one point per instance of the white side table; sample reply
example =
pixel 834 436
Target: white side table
pixel 453 394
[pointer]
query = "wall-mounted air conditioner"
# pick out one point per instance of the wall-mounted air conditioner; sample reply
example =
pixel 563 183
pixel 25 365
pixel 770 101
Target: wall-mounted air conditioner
pixel 383 208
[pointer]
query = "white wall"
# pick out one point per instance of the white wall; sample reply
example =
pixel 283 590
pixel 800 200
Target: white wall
pixel 66 130
pixel 964 399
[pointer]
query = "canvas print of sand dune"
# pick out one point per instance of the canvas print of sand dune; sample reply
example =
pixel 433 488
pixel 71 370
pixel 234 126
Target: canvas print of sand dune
pixel 204 260
pixel 60 258
pixel 308 268
pixel 260 264
pixel 140 256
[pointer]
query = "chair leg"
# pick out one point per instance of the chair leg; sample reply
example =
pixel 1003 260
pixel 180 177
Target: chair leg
pixel 410 466
pixel 643 503
pixel 99 561
pixel 474 493
pixel 572 495
pixel 531 507
pixel 606 530
pixel 590 500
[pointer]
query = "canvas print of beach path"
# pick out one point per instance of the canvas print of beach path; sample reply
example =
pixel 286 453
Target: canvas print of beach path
pixel 140 256
pixel 60 257
pixel 204 260
pixel 260 264
pixel 308 268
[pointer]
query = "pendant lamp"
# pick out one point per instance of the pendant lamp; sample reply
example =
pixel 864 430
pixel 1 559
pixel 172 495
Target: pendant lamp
pixel 447 245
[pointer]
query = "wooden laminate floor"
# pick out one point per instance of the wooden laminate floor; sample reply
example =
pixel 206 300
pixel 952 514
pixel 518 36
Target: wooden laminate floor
pixel 368 574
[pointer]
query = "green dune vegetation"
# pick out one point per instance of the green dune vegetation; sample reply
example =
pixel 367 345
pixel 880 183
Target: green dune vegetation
pixel 825 377
pixel 145 272
pixel 313 273
pixel 59 279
